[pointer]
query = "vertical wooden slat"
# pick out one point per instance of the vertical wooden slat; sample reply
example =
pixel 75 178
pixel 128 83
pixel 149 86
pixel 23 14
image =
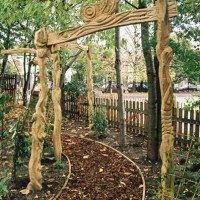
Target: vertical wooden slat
pixel 197 132
pixel 185 132
pixel 191 130
pixel 180 127
pixel 146 120
pixel 131 114
pixel 174 123
pixel 137 116
pixel 108 109
pixel 127 110
pixel 141 115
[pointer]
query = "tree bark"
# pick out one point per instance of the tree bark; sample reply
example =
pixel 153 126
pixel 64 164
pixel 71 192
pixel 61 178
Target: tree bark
pixel 26 79
pixel 5 59
pixel 62 79
pixel 152 145
pixel 121 107
pixel 158 92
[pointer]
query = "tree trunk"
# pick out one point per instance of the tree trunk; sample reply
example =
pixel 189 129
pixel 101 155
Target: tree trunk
pixel 158 92
pixel 62 80
pixel 90 88
pixel 121 107
pixel 5 59
pixel 152 146
pixel 26 79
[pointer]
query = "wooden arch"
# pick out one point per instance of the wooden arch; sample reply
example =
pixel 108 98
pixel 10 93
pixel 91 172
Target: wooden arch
pixel 99 17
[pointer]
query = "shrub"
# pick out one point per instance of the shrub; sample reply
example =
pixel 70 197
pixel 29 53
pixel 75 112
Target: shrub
pixel 4 187
pixel 100 122
pixel 59 165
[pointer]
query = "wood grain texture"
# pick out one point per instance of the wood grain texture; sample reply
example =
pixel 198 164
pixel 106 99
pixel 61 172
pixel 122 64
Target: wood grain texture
pixel 90 87
pixel 18 51
pixel 165 54
pixel 104 22
pixel 56 97
pixel 95 10
pixel 39 115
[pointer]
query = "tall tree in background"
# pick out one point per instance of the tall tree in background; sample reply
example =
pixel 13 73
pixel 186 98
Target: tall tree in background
pixel 153 145
pixel 121 107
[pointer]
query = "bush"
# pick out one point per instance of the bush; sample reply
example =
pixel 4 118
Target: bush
pixel 59 165
pixel 100 122
pixel 4 187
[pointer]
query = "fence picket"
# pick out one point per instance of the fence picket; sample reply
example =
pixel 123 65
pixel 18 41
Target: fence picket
pixel 185 123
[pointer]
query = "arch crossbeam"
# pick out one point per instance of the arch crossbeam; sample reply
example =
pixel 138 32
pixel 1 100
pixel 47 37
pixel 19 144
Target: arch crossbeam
pixel 104 22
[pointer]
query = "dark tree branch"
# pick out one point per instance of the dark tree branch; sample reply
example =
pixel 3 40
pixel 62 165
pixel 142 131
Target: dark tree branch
pixel 131 4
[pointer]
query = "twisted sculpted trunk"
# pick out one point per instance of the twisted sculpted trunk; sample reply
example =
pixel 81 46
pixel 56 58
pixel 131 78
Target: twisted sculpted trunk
pixel 164 54
pixel 90 87
pixel 39 116
pixel 56 97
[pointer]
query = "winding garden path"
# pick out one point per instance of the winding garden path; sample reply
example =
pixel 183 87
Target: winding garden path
pixel 99 172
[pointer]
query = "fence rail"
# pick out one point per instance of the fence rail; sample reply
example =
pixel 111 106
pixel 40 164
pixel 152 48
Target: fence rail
pixel 185 123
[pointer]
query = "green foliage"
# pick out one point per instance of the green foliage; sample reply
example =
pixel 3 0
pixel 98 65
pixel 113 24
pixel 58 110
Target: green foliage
pixel 4 187
pixel 186 61
pixel 186 172
pixel 21 141
pixel 59 165
pixel 100 122
pixel 77 85
pixel 193 103
pixel 5 98
pixel 188 19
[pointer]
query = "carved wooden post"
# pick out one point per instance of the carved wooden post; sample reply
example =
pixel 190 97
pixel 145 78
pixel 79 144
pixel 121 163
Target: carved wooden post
pixel 98 17
pixel 90 87
pixel 164 54
pixel 39 116
pixel 56 97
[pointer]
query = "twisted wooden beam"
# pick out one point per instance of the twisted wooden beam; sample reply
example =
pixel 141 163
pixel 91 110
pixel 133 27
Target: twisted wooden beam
pixel 39 115
pixel 93 11
pixel 18 51
pixel 90 88
pixel 165 54
pixel 56 97
pixel 104 22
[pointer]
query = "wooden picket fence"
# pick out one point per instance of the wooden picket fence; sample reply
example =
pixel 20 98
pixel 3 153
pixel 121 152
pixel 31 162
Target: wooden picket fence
pixel 10 84
pixel 185 123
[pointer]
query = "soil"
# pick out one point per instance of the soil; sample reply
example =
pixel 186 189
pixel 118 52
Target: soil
pixel 53 179
pixel 98 172
pixel 136 150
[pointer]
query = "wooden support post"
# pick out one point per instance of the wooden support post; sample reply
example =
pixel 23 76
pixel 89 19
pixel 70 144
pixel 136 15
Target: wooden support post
pixel 164 54
pixel 90 88
pixel 39 116
pixel 56 97
pixel 102 17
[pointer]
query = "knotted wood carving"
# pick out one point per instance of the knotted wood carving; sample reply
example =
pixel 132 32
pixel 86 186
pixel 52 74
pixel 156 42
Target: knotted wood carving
pixel 100 17
pixel 56 97
pixel 39 115
pixel 164 54
pixel 96 10
pixel 106 21
pixel 90 88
